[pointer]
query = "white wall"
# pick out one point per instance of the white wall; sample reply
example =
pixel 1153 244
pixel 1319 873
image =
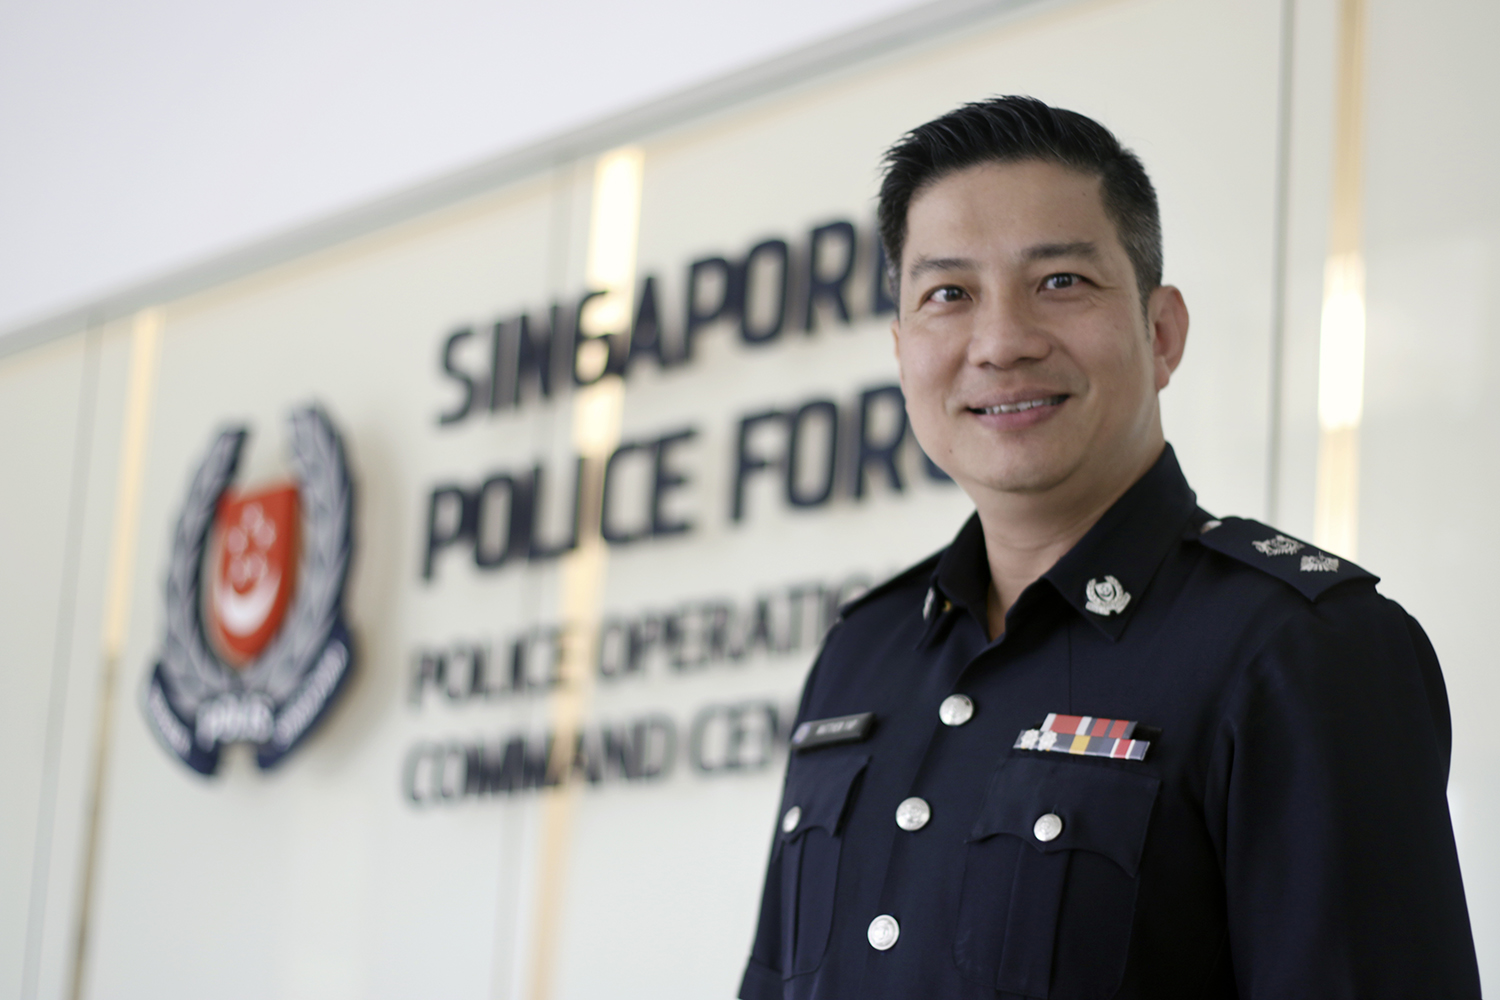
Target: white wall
pixel 1431 447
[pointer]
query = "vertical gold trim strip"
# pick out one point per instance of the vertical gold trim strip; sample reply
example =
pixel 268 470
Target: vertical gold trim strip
pixel 1346 233
pixel 144 348
pixel 597 412
pixel 145 344
pixel 1342 336
pixel 1336 519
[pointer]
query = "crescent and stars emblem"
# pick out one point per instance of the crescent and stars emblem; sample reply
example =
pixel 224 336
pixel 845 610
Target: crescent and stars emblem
pixel 1105 597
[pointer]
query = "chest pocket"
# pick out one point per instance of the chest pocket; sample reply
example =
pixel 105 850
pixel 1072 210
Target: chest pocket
pixel 819 787
pixel 1050 876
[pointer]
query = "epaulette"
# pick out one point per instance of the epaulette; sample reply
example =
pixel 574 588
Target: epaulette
pixel 1306 567
pixel 922 569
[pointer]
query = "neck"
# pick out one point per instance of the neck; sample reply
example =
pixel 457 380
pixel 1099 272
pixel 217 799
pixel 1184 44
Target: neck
pixel 1025 534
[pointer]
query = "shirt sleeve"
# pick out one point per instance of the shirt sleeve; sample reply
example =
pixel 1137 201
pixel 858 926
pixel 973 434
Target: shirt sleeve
pixel 1327 800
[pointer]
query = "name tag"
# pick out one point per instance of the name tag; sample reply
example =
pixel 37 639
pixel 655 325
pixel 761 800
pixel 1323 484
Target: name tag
pixel 824 732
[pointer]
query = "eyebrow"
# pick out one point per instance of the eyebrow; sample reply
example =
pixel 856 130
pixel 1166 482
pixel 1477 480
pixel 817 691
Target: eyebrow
pixel 1050 251
pixel 926 265
pixel 1041 251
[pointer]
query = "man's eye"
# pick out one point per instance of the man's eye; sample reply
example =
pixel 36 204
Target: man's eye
pixel 948 293
pixel 1057 282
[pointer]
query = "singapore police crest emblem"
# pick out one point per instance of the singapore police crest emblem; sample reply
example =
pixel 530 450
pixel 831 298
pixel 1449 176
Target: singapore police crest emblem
pixel 256 647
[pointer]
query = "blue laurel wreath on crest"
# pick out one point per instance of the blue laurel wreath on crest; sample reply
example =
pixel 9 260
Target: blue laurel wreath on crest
pixel 195 702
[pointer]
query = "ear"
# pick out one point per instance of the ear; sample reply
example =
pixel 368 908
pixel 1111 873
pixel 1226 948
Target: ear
pixel 1167 314
pixel 896 350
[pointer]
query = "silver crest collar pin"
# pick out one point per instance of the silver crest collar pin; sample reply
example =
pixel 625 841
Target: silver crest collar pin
pixel 1105 597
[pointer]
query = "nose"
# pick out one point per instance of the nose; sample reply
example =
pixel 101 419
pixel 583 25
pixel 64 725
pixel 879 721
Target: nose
pixel 1006 333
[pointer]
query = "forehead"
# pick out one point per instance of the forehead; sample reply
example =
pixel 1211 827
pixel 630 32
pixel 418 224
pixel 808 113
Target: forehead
pixel 1007 207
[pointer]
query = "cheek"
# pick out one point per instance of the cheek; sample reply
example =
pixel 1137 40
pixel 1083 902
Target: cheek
pixel 1130 374
pixel 1124 361
pixel 921 371
pixel 926 381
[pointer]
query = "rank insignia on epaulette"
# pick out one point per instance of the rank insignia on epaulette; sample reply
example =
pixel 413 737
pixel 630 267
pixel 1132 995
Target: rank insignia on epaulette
pixel 1302 565
pixel 1085 735
pixel 1278 546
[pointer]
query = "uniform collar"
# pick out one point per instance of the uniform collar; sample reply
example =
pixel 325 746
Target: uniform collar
pixel 1104 575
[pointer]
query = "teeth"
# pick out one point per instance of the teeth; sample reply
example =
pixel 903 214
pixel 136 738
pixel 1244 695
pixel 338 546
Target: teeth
pixel 1029 404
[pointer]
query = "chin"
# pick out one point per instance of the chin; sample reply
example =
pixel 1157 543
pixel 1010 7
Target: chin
pixel 1026 476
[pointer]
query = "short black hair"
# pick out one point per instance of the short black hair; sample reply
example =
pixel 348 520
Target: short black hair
pixel 1016 129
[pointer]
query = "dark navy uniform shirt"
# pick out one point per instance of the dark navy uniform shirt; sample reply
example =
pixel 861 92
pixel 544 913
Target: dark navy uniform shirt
pixel 1284 835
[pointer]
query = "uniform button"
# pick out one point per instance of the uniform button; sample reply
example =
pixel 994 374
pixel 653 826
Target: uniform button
pixel 883 932
pixel 913 813
pixel 956 709
pixel 792 818
pixel 1047 827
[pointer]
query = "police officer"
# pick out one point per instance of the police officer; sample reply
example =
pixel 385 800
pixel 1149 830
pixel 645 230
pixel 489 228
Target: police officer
pixel 1103 744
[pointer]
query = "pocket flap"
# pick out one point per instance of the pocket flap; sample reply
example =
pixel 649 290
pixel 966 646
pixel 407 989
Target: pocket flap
pixel 818 787
pixel 1103 809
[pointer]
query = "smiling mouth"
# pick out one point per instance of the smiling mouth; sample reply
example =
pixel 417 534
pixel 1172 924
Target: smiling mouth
pixel 1021 407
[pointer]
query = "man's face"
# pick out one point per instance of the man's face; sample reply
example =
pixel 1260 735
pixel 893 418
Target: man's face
pixel 1027 361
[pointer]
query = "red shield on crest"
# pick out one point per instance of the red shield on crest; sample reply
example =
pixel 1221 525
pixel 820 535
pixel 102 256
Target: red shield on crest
pixel 254 570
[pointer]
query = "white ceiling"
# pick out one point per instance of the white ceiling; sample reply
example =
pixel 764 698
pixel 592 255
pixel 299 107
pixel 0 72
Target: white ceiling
pixel 139 138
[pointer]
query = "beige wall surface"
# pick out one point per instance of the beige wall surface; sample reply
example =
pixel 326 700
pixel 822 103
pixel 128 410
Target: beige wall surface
pixel 62 440
pixel 1431 448
pixel 320 878
pixel 40 399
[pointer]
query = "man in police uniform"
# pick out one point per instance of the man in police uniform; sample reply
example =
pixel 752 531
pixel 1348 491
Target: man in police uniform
pixel 1104 744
